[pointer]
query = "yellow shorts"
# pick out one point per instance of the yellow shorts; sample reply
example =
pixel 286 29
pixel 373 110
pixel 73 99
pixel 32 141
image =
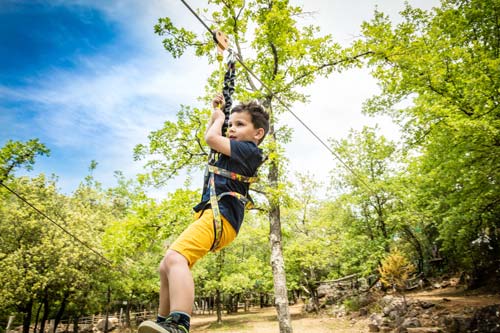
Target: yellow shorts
pixel 196 241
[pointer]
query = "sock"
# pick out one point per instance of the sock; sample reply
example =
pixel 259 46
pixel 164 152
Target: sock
pixel 181 318
pixel 160 319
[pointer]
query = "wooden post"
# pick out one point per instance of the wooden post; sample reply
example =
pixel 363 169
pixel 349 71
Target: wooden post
pixel 11 319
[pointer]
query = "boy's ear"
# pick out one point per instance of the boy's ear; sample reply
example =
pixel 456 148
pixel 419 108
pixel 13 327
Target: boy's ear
pixel 259 134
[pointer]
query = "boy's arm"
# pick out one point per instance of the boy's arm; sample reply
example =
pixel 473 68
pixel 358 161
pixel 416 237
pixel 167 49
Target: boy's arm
pixel 213 134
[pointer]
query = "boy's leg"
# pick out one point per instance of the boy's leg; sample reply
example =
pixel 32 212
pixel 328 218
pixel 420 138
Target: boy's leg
pixel 180 283
pixel 164 307
pixel 177 285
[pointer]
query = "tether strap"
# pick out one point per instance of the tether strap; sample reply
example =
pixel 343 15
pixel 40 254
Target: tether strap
pixel 214 198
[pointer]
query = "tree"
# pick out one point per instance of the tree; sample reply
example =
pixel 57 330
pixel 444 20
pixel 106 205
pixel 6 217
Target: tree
pixel 395 270
pixel 372 163
pixel 16 154
pixel 309 248
pixel 445 65
pixel 285 57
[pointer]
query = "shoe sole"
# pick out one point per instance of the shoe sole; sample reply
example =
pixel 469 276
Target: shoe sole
pixel 150 327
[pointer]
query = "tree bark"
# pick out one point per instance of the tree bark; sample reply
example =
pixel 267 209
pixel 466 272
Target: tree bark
pixel 108 301
pixel 219 306
pixel 127 314
pixel 37 317
pixel 46 311
pixel 27 316
pixel 279 276
pixel 61 310
pixel 75 324
pixel 220 262
pixel 275 239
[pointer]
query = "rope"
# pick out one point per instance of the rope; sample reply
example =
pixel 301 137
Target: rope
pixel 323 143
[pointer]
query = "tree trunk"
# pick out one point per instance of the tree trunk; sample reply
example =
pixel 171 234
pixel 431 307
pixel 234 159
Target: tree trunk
pixel 127 314
pixel 418 247
pixel 46 311
pixel 279 276
pixel 219 306
pixel 75 323
pixel 37 317
pixel 277 261
pixel 27 316
pixel 220 262
pixel 108 301
pixel 60 312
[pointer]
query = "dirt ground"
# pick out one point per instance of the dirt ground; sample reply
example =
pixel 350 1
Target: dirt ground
pixel 264 320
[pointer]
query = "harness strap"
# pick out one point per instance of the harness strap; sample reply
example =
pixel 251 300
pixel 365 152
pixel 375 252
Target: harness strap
pixel 214 198
pixel 231 175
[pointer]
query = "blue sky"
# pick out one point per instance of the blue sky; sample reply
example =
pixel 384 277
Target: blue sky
pixel 90 79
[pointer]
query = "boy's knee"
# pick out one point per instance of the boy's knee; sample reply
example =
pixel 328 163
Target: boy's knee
pixel 172 258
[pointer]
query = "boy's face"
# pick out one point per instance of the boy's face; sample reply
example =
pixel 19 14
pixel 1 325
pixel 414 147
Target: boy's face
pixel 241 128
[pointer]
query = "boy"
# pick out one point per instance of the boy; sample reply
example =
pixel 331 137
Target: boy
pixel 247 127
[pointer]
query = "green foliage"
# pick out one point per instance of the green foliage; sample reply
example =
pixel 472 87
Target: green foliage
pixel 436 194
pixel 178 145
pixel 352 304
pixel 40 260
pixel 16 154
pixel 446 63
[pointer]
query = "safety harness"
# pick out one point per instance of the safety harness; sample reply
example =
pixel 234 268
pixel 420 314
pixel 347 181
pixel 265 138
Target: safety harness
pixel 214 198
pixel 227 83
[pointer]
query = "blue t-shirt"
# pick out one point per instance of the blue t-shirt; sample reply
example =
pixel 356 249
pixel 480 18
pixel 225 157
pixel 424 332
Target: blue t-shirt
pixel 245 158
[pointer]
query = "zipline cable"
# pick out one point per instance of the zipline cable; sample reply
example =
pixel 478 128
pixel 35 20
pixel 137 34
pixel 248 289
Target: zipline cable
pixel 199 18
pixel 240 60
pixel 107 261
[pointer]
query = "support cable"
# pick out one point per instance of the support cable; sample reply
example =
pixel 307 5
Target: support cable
pixel 107 261
pixel 240 60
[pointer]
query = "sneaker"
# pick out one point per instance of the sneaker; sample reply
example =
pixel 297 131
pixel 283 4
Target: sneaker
pixel 167 326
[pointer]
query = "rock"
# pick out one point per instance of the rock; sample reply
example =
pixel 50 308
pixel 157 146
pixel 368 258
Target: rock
pixel 394 315
pixel 387 299
pixel 376 319
pixel 426 305
pixel 456 324
pixel 486 319
pixel 373 328
pixel 411 322
pixel 339 311
pixel 112 323
pixel 324 290
pixel 424 330
pixel 364 300
pixel 386 310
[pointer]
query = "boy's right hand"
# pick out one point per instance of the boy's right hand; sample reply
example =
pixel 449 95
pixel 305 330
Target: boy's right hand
pixel 218 102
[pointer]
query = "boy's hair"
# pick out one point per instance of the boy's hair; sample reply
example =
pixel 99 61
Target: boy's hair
pixel 260 118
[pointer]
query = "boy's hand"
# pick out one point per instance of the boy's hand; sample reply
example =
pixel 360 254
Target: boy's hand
pixel 213 136
pixel 218 102
pixel 217 114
